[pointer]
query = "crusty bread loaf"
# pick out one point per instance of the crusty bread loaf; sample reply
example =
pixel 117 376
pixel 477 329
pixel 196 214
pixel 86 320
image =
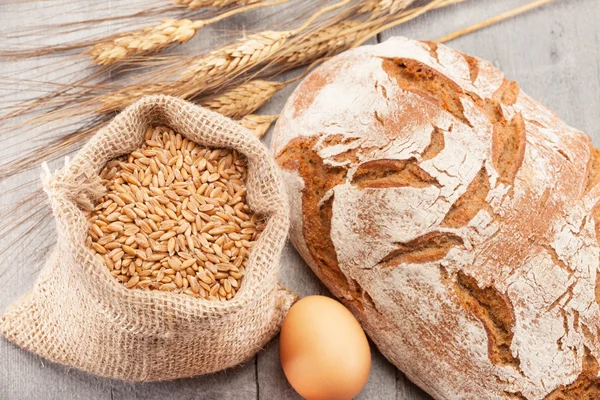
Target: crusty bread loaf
pixel 454 215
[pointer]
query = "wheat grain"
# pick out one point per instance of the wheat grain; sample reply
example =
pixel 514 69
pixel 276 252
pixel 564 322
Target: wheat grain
pixel 149 230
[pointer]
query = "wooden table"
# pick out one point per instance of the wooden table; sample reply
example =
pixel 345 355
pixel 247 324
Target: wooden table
pixel 553 52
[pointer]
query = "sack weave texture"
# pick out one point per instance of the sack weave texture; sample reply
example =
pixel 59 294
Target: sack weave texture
pixel 78 314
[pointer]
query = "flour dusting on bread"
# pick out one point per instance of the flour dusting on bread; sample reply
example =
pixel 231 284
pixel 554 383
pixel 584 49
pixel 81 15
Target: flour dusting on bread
pixel 454 215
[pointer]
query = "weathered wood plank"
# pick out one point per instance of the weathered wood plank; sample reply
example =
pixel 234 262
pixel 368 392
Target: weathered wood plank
pixel 24 375
pixel 406 390
pixel 552 52
pixel 232 384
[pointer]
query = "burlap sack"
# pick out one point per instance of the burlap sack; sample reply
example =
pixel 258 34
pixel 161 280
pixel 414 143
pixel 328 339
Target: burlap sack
pixel 78 314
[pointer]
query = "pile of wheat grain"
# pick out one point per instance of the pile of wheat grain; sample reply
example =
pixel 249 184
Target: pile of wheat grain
pixel 174 218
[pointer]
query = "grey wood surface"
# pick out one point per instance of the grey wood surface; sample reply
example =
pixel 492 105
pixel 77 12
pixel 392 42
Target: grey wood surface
pixel 553 52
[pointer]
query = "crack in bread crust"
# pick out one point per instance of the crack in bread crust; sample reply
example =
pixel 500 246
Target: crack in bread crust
pixel 473 64
pixel 433 46
pixel 508 93
pixel 587 384
pixel 508 137
pixel 428 248
pixel 514 396
pixel 392 173
pixel 593 169
pixel 469 203
pixel 436 144
pixel 508 147
pixel 416 77
pixel 495 311
pixel 299 155
pixel 521 205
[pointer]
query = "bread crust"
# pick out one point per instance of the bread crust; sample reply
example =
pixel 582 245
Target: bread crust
pixel 454 215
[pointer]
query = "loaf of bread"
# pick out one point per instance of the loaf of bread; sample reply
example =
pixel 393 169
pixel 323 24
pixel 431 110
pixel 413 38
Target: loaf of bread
pixel 455 216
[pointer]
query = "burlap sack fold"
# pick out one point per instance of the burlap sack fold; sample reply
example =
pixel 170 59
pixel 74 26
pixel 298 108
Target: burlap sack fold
pixel 79 315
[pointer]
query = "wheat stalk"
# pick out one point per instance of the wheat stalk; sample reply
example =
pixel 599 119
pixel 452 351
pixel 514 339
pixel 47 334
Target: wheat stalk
pixel 198 4
pixel 494 20
pixel 258 124
pixel 229 60
pixel 249 52
pixel 321 43
pixel 149 39
pixel 379 7
pixel 243 99
pixel 333 39
pixel 317 44
pixel 235 57
pixel 205 72
pixel 235 103
pixel 121 98
pixel 153 39
pixel 404 17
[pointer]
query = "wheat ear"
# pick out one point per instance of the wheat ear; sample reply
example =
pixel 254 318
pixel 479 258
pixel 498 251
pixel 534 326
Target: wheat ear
pixel 208 71
pixel 320 43
pixel 235 57
pixel 246 53
pixel 243 99
pixel 153 39
pixel 228 60
pixel 402 18
pixel 333 39
pixel 258 124
pixel 149 39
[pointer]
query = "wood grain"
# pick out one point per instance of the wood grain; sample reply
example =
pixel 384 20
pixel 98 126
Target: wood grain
pixel 553 52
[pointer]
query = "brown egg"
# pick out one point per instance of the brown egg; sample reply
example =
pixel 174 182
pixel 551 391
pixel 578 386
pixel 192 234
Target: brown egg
pixel 324 352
